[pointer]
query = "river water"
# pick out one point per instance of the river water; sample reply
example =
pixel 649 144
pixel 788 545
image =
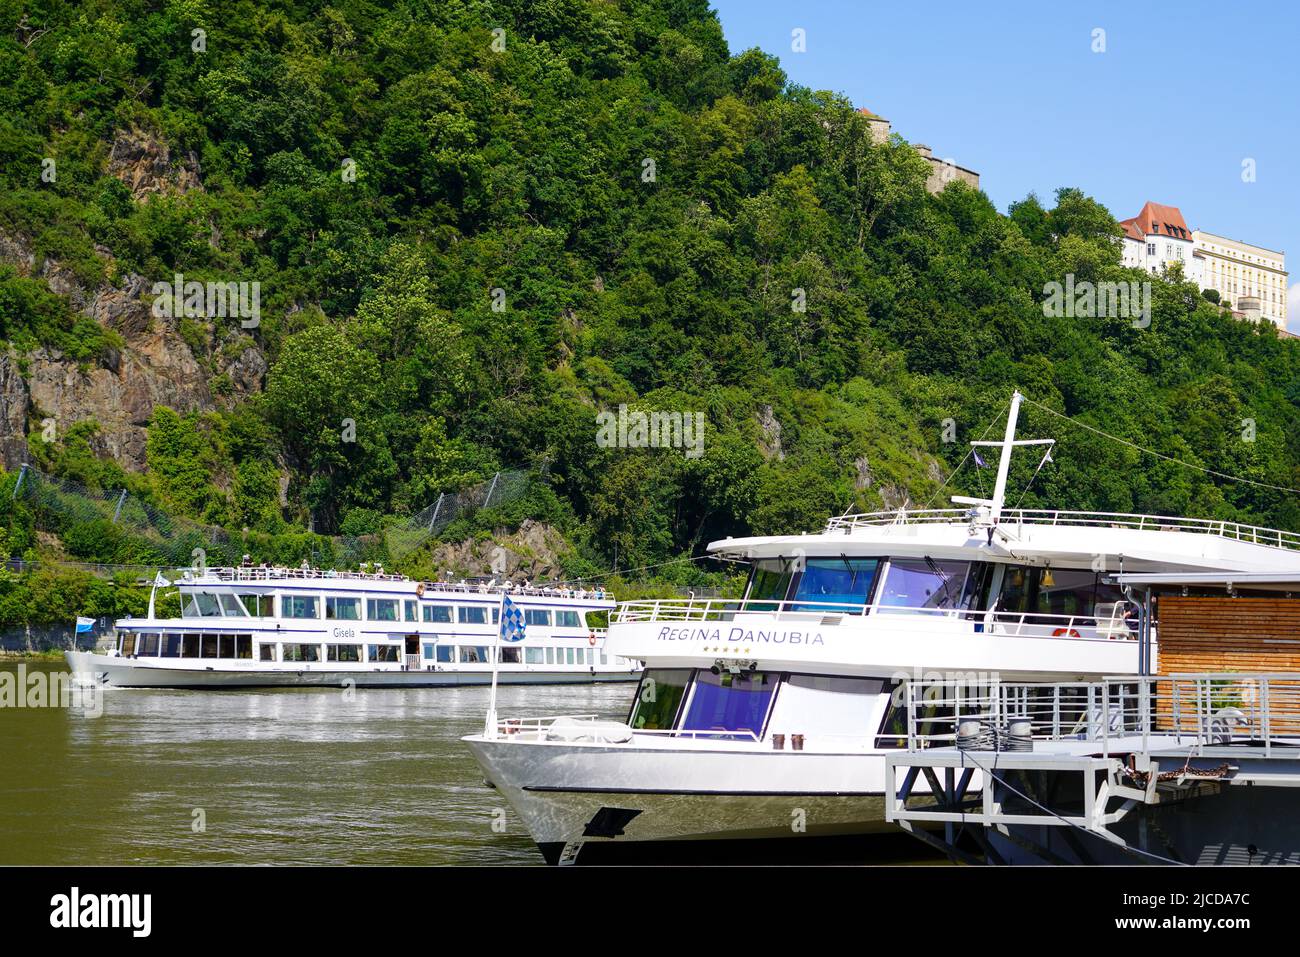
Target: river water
pixel 301 776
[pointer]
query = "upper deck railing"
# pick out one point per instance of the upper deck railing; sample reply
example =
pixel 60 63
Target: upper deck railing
pixel 1255 534
pixel 266 574
pixel 1200 710
pixel 1110 620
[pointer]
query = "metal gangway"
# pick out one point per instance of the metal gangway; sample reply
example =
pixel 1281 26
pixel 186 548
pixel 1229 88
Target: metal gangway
pixel 988 758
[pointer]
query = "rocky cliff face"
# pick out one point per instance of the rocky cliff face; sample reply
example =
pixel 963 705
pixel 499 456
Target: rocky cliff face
pixel 533 552
pixel 154 367
pixel 145 164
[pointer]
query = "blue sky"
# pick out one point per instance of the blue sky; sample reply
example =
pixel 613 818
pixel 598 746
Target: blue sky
pixel 1183 95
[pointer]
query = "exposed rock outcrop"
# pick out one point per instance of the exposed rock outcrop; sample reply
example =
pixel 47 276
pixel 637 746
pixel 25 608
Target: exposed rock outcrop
pixel 154 366
pixel 533 552
pixel 769 443
pixel 145 164
pixel 863 469
pixel 14 403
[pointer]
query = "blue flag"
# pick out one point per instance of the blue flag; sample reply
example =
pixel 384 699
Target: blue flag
pixel 979 462
pixel 512 621
pixel 84 625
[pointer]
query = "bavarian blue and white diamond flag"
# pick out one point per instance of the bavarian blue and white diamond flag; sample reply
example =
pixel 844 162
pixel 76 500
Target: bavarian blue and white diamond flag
pixel 512 621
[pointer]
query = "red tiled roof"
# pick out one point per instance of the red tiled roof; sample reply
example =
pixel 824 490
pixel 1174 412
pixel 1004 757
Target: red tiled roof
pixel 1164 220
pixel 1131 230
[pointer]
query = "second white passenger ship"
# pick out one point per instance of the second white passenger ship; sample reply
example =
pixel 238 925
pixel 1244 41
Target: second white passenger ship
pixel 770 716
pixel 275 627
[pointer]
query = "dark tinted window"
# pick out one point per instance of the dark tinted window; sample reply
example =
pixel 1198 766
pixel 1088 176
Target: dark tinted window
pixel 730 702
pixel 658 698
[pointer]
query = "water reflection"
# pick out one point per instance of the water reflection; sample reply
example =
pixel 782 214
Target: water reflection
pixel 310 776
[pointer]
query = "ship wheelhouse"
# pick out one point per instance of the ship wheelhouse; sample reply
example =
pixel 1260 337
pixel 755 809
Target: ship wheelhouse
pixel 972 589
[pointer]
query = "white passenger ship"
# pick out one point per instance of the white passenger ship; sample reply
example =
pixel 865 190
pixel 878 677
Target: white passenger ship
pixel 770 716
pixel 260 626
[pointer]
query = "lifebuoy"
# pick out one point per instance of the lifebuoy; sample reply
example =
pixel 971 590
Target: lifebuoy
pixel 419 590
pixel 1066 631
pixel 591 639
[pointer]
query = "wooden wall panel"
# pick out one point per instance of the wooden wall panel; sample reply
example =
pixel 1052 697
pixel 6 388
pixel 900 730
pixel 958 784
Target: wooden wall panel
pixel 1228 634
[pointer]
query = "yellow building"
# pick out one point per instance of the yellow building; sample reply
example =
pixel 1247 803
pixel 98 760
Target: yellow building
pixel 1250 279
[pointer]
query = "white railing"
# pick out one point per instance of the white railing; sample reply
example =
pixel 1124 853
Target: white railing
pixel 1255 534
pixel 1107 622
pixel 1200 710
pixel 598 730
pixel 266 573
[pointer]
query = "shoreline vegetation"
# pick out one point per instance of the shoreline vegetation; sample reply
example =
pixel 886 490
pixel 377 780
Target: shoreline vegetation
pixel 471 240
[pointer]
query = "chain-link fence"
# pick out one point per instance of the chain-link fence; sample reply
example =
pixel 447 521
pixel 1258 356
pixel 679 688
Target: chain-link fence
pixel 63 507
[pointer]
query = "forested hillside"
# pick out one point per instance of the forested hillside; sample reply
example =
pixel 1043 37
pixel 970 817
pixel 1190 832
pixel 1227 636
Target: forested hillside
pixel 475 225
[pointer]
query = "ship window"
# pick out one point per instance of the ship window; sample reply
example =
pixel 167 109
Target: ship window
pixel 342 652
pixel 769 582
pixel 835 584
pixel 1066 592
pixel 226 645
pixel 533 656
pixel 604 660
pixel 230 606
pixel 128 644
pixel 149 645
pixel 208 644
pixel 568 656
pixel 474 654
pixel 383 652
pixel 471 615
pixel 510 656
pixel 438 613
pixel 259 606
pixel 411 613
pixel 568 619
pixel 381 609
pixel 299 606
pixel 730 702
pixel 658 698
pixel 299 652
pixel 550 656
pixel 924 583
pixel 825 704
pixel 1054 591
pixel 268 652
pixel 428 652
pixel 446 653
pixel 192 643
pixel 342 609
pixel 202 604
pixel 537 616
pixel 171 646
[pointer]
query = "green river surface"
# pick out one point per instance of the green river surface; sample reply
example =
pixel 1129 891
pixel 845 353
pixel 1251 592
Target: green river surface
pixel 300 776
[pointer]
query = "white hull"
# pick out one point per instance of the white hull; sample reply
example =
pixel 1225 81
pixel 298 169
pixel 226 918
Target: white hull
pixel 115 672
pixel 567 794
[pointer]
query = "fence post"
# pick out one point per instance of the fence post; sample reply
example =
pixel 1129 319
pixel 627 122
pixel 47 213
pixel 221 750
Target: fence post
pixel 436 509
pixel 22 474
pixel 1268 730
pixel 491 489
pixel 118 510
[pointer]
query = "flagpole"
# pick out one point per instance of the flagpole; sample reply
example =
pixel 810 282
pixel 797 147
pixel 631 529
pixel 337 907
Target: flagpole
pixel 490 728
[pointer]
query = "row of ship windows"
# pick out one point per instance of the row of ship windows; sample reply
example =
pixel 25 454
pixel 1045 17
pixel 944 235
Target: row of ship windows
pixel 338 608
pixel 148 645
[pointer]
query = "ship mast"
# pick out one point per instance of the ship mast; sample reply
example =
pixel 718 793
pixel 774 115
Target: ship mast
pixel 992 507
